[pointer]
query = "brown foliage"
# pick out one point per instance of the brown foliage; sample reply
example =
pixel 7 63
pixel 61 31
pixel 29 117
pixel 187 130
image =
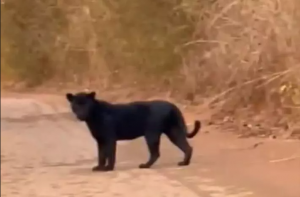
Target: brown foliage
pixel 239 53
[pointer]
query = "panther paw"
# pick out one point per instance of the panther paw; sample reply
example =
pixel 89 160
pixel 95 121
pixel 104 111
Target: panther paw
pixel 183 163
pixel 98 168
pixel 144 166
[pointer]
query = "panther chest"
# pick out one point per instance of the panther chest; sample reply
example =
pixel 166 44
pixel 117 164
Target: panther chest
pixel 98 131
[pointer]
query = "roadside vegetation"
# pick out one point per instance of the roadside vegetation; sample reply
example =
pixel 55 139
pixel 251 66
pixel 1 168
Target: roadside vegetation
pixel 239 57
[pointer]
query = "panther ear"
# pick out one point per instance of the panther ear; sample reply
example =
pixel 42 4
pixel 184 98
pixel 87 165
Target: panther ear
pixel 69 97
pixel 92 95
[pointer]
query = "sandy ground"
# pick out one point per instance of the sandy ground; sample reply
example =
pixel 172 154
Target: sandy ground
pixel 45 152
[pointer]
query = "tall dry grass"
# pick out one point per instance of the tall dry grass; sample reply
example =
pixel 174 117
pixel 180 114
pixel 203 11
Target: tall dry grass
pixel 242 54
pixel 97 41
pixel 247 53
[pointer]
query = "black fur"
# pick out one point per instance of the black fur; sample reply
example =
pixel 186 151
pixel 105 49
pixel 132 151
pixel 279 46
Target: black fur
pixel 109 123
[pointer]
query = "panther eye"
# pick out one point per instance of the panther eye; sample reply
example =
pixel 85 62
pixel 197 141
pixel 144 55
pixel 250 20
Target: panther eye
pixel 81 103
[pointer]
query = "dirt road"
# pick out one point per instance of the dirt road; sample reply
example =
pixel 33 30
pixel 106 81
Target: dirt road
pixel 45 152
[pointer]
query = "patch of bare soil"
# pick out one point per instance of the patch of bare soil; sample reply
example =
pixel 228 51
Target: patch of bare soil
pixel 262 166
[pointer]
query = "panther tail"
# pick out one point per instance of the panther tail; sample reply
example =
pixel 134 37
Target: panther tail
pixel 196 129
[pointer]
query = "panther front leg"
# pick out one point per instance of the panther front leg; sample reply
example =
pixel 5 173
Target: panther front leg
pixel 111 148
pixel 108 153
pixel 101 157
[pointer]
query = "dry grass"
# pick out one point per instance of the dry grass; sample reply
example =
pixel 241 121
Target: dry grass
pixel 241 54
pixel 249 56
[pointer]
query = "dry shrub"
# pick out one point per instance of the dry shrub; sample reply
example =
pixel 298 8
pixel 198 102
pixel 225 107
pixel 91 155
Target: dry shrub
pixel 94 42
pixel 246 53
pixel 138 39
pixel 28 31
